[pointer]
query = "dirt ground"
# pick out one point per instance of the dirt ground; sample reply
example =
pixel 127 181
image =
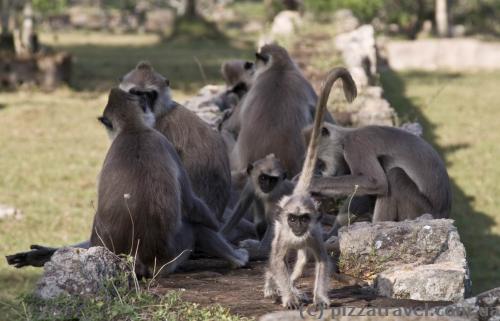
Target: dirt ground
pixel 241 290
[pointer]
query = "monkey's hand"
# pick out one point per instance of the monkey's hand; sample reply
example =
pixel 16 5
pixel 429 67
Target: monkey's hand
pixel 38 256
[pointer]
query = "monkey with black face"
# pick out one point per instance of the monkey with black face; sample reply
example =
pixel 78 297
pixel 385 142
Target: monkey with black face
pixel 401 171
pixel 267 183
pixel 160 216
pixel 238 75
pixel 277 107
pixel 298 225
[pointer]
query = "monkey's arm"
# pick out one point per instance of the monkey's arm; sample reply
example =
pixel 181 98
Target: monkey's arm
pixel 246 198
pixel 38 256
pixel 367 174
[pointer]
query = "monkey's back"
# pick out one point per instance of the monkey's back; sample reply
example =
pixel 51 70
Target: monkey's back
pixel 139 197
pixel 420 161
pixel 203 154
pixel 272 116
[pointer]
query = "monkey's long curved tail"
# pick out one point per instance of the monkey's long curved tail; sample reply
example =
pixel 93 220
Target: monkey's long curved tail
pixel 350 93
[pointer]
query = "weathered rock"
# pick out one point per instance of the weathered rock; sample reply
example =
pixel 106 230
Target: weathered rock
pixel 203 104
pixel 286 23
pixel 82 272
pixel 372 109
pixel 359 53
pixel 421 259
pixel 344 21
pixel 7 212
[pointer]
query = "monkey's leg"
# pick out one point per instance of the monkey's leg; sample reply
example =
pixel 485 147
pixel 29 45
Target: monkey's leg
pixel 411 203
pixel 359 207
pixel 38 256
pixel 280 275
pixel 214 244
pixel 322 279
pixel 270 286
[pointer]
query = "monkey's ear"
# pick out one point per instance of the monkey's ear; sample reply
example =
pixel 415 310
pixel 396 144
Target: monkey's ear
pixel 248 65
pixel 261 57
pixel 249 168
pixel 167 82
pixel 325 132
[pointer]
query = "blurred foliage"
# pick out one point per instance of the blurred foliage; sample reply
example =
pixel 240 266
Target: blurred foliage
pixel 478 16
pixel 49 6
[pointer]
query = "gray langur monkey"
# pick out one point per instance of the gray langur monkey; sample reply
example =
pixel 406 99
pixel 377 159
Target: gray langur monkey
pixel 400 170
pixel 267 183
pixel 201 149
pixel 279 104
pixel 238 75
pixel 298 225
pixel 146 206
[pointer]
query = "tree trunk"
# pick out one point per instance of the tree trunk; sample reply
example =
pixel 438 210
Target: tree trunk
pixel 5 17
pixel 191 9
pixel 441 12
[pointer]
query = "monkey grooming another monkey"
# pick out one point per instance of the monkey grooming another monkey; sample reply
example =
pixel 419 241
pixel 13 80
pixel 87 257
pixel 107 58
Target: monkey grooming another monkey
pixel 201 149
pixel 298 225
pixel 266 185
pixel 400 170
pixel 145 202
pixel 273 113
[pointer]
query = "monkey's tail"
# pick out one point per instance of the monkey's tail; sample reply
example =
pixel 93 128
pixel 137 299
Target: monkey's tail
pixel 350 93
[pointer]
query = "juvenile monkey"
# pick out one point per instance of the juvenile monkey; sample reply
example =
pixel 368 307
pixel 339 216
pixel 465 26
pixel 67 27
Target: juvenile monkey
pixel 400 170
pixel 266 185
pixel 238 76
pixel 298 224
pixel 201 149
pixel 275 110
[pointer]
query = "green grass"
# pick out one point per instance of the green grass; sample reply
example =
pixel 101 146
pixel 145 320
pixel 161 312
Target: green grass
pixel 461 119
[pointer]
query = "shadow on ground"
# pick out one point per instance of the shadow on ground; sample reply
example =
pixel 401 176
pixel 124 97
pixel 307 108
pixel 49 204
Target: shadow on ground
pixel 483 250
pixel 188 63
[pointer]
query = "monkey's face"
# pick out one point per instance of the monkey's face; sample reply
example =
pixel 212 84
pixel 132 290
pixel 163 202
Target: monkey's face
pixel 300 214
pixel 267 182
pixel 145 81
pixel 299 223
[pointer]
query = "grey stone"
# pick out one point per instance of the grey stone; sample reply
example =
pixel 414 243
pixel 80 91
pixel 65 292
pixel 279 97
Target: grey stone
pixel 344 21
pixel 203 104
pixel 81 272
pixel 421 259
pixel 7 212
pixel 286 23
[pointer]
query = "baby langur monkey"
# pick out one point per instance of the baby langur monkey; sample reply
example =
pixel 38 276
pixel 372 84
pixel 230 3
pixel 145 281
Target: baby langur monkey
pixel 266 185
pixel 298 224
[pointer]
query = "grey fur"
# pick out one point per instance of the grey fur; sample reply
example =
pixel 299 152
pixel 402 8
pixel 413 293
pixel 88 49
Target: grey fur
pixel 301 206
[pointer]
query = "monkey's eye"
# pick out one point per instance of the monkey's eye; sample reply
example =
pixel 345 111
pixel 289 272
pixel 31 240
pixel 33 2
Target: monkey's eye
pixel 305 219
pixel 292 218
pixel 262 57
pixel 262 178
pixel 106 122
pixel 321 165
pixel 248 65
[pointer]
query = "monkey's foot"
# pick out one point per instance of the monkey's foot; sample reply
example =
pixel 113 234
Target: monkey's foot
pixel 291 302
pixel 301 295
pixel 240 259
pixel 255 249
pixel 271 291
pixel 321 301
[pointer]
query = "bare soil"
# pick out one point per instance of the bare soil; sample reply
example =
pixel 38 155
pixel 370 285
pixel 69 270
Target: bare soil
pixel 208 282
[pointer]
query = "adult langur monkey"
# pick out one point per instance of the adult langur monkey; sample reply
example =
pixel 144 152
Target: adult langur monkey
pixel 146 206
pixel 400 170
pixel 279 104
pixel 298 225
pixel 201 149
